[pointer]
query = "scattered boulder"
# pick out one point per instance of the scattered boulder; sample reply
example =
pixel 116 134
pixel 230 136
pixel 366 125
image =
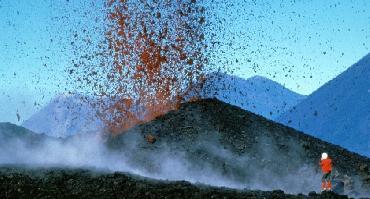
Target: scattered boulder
pixel 338 187
pixel 364 168
pixel 367 178
pixel 150 138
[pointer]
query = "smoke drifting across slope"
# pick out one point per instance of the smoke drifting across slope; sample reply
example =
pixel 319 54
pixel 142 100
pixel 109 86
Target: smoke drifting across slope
pixel 205 142
pixel 249 149
pixel 160 162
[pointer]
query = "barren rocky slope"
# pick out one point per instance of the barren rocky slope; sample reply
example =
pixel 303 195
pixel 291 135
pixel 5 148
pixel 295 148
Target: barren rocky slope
pixel 203 142
pixel 244 148
pixel 18 182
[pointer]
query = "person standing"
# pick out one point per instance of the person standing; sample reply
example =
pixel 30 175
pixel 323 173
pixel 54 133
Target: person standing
pixel 326 168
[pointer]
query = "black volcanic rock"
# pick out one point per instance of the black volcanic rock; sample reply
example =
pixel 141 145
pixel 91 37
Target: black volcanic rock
pixel 254 147
pixel 17 182
pixel 203 142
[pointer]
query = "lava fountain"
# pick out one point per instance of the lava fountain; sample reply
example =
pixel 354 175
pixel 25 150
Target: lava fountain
pixel 152 59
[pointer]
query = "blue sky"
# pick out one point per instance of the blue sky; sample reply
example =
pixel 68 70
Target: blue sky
pixel 290 41
pixel 300 44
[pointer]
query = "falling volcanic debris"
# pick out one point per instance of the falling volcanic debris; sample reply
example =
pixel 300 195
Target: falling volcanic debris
pixel 151 60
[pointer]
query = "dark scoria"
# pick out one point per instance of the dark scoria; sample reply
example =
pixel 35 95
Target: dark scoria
pixel 203 130
pixel 18 182
pixel 214 136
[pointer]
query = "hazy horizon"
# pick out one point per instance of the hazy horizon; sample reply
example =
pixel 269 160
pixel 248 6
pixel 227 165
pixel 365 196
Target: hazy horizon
pixel 298 44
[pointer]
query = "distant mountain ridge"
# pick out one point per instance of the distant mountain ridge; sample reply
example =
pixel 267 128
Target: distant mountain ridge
pixel 11 131
pixel 256 94
pixel 68 115
pixel 339 111
pixel 64 116
pixel 206 141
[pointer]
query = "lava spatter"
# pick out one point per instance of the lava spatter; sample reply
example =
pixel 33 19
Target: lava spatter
pixel 152 60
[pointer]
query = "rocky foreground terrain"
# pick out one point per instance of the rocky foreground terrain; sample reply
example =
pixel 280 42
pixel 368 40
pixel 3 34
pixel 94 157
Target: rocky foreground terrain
pixel 19 182
pixel 244 148
pixel 199 148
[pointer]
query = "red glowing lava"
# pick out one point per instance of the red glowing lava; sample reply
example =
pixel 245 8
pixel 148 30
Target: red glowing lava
pixel 153 60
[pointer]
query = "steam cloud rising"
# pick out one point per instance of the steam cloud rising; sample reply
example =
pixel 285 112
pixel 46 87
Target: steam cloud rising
pixel 163 161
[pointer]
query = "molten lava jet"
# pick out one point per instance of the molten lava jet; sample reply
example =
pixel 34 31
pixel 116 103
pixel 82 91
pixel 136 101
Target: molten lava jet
pixel 152 59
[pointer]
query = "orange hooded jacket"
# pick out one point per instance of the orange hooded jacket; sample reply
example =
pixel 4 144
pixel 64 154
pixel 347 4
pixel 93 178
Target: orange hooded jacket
pixel 326 165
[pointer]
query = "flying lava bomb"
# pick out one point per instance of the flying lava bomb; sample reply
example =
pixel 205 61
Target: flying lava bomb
pixel 151 60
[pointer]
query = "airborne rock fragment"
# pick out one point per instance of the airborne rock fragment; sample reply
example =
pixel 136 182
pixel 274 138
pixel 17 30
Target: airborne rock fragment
pixel 150 138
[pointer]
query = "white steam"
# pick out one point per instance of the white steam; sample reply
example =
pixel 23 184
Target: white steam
pixel 162 162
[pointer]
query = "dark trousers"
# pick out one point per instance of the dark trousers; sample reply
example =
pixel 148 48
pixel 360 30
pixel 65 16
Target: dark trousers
pixel 326 181
pixel 326 177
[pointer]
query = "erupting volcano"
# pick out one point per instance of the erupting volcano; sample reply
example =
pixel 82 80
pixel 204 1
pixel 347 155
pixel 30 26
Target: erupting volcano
pixel 151 60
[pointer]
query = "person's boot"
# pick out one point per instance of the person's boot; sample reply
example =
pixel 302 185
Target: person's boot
pixel 323 186
pixel 328 185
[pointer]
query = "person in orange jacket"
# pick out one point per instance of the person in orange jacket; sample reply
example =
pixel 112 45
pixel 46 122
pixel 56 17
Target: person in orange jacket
pixel 326 167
